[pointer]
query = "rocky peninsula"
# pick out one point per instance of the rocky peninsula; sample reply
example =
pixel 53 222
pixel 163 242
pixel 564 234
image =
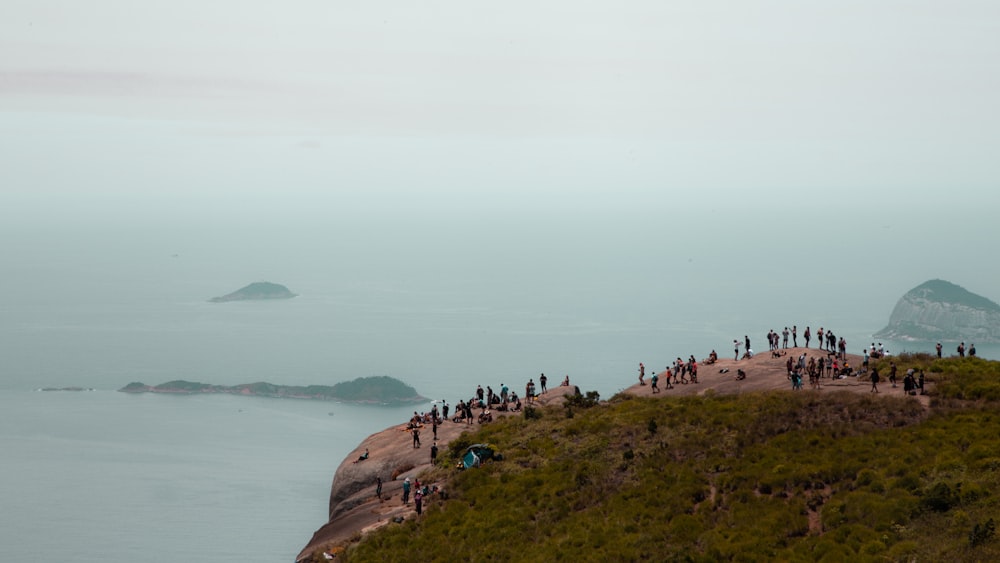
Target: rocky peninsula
pixel 257 291
pixel 354 510
pixel 380 390
pixel 938 310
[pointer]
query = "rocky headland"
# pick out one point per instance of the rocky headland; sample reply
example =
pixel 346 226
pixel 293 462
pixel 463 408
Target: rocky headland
pixel 381 390
pixel 354 510
pixel 256 291
pixel 938 310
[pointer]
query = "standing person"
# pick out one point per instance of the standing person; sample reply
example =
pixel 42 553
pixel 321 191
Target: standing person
pixel 378 487
pixel 418 501
pixel 938 348
pixel 972 350
pixel 736 350
pixel 807 335
pixel 795 336
pixel 961 350
pixel 819 338
pixel 892 373
pixel 784 338
pixel 406 490
pixel 434 452
pixel 747 340
pixel 693 369
pixel 444 411
pixel 653 381
pixel 920 382
pixel 542 380
pixel 434 426
pixel 416 437
pixel 874 380
pixel 642 373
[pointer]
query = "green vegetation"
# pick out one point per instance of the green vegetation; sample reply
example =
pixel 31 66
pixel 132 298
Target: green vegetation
pixel 947 292
pixel 827 476
pixel 380 388
pixel 181 385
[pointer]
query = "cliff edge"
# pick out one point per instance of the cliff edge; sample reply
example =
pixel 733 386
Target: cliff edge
pixel 354 508
pixel 938 310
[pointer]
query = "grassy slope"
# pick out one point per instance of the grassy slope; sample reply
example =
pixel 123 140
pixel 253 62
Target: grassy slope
pixel 779 476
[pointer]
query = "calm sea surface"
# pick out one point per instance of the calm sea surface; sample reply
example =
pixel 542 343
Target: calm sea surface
pixel 102 476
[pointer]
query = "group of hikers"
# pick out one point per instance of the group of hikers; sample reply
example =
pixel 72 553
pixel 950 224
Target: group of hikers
pixel 833 364
pixel 504 401
pixel 960 350
pixel 679 372
pixel 815 370
pixel 912 381
pixel 777 342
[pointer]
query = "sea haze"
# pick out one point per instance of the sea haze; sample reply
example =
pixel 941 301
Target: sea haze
pixel 442 301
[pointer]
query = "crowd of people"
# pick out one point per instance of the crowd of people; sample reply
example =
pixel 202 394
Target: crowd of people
pixel 832 362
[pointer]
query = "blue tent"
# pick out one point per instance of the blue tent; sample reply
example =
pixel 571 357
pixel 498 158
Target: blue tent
pixel 476 454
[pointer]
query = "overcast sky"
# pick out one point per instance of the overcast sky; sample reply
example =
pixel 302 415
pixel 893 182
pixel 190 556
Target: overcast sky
pixel 846 111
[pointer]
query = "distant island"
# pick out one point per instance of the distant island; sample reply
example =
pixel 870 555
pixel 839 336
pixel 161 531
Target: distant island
pixel 938 310
pixel 383 390
pixel 256 291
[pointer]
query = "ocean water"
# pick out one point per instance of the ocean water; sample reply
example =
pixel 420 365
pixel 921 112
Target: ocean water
pixel 103 476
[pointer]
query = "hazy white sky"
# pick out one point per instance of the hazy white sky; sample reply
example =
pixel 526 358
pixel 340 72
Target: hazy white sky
pixel 831 114
pixel 890 96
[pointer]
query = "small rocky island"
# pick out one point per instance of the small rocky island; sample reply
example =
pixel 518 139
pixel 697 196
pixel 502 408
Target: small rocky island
pixel 256 291
pixel 938 310
pixel 376 390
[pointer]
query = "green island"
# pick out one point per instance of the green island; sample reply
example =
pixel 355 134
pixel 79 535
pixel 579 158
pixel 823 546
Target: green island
pixel 382 390
pixel 256 291
pixel 762 476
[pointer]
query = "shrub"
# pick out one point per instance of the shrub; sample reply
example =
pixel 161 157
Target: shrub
pixel 981 533
pixel 938 498
pixel 591 399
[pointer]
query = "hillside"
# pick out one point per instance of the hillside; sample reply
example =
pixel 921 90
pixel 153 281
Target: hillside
pixel 938 310
pixel 827 475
